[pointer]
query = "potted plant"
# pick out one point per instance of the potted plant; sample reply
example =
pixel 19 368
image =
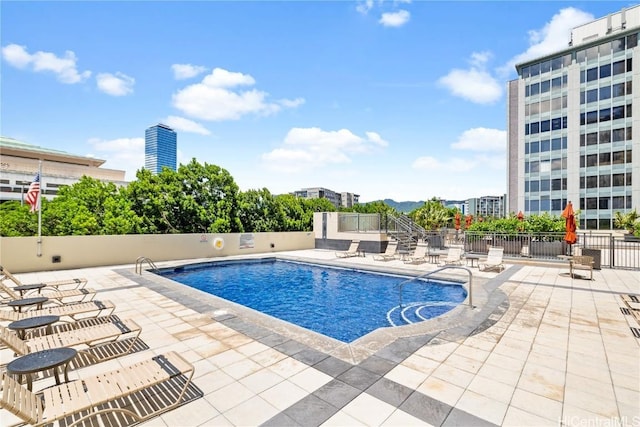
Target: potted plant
pixel 629 221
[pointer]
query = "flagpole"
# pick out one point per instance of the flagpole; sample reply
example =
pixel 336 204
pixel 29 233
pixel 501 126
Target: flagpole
pixel 39 250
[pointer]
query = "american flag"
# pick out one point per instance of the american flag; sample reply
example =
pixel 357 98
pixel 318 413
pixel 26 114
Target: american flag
pixel 33 193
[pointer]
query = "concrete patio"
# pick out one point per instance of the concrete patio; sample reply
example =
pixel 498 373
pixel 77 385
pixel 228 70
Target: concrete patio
pixel 538 348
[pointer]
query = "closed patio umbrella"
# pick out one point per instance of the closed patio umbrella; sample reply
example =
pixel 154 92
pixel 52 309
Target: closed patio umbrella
pixel 457 221
pixel 467 221
pixel 570 225
pixel 521 219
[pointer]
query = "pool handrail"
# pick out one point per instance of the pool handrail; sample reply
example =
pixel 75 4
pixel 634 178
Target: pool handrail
pixel 141 260
pixel 429 273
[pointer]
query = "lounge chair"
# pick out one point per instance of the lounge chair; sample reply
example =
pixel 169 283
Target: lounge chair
pixel 389 254
pixel 89 336
pixel 351 252
pixel 84 294
pixel 453 257
pixel 419 256
pixel 62 326
pixel 75 311
pixel 135 393
pixel 79 282
pixel 493 260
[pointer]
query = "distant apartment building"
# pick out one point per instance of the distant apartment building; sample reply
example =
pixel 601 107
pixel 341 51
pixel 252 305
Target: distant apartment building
pixel 348 200
pixel 573 125
pixel 344 200
pixel 486 206
pixel 19 164
pixel 160 147
pixel 461 205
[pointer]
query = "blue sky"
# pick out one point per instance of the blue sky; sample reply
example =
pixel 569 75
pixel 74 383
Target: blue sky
pixel 386 99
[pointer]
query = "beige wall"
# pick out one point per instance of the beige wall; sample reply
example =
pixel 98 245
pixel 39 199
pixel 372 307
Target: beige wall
pixel 19 254
pixel 334 234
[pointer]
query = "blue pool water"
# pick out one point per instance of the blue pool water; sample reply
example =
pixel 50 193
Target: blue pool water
pixel 340 303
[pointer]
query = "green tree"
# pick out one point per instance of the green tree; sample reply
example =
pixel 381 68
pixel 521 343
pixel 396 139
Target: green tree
pixel 294 215
pixel 432 215
pixel 260 211
pixel 16 220
pixel 89 206
pixel 197 198
pixel 374 207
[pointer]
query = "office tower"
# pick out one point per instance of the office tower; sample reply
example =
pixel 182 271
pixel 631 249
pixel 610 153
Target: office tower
pixel 573 125
pixel 160 143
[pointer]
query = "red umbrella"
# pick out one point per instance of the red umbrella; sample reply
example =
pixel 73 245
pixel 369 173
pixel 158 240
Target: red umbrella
pixel 570 224
pixel 467 221
pixel 457 221
pixel 521 219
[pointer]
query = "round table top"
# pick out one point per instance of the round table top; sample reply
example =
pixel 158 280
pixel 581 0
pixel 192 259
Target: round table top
pixel 41 360
pixel 29 287
pixel 33 322
pixel 27 301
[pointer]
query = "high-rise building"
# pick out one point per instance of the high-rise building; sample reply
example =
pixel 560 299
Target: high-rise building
pixel 574 125
pixel 160 144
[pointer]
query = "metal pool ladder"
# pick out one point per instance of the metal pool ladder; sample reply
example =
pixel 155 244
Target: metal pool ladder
pixel 422 276
pixel 141 260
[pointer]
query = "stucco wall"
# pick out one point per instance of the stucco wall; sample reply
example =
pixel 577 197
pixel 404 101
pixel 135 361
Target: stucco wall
pixel 370 241
pixel 19 254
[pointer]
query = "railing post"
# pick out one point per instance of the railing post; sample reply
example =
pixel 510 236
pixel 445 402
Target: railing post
pixel 612 249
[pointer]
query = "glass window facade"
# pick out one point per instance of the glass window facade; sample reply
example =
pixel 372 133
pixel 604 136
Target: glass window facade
pixel 160 146
pixel 604 169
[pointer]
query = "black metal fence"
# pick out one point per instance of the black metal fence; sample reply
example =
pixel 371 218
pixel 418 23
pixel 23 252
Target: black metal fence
pixel 608 250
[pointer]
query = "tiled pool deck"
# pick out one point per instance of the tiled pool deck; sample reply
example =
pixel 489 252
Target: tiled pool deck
pixel 539 348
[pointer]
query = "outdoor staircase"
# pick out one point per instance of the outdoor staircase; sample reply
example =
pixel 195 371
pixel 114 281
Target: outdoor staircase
pixel 406 232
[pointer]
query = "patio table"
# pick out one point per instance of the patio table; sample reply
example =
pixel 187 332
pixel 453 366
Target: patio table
pixel 41 361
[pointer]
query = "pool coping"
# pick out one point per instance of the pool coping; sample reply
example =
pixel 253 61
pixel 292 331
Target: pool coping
pixel 458 322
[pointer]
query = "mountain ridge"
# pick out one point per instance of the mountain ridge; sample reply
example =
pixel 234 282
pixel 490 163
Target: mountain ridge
pixel 404 207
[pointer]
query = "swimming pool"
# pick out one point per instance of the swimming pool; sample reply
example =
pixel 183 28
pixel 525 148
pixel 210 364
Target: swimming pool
pixel 340 303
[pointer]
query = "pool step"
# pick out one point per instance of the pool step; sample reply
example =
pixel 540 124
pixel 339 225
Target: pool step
pixel 414 312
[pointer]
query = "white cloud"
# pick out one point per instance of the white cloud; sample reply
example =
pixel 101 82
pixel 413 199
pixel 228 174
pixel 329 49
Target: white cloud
pixel 395 19
pixel 470 160
pixel 63 67
pixel 474 84
pixel 291 103
pixel 186 125
pixel 225 79
pixel 552 37
pixel 186 71
pixel 305 149
pixel 482 139
pixel 364 6
pixel 122 154
pixel 117 84
pixel 376 139
pixel 213 99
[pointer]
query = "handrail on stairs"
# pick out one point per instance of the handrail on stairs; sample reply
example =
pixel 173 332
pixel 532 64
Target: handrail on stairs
pixel 141 260
pixel 429 273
